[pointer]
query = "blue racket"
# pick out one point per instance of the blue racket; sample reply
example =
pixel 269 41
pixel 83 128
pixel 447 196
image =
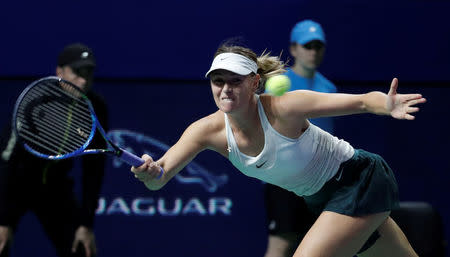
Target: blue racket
pixel 54 120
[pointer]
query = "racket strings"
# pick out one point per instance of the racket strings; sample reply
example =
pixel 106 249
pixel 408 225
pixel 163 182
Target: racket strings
pixel 54 118
pixel 49 124
pixel 47 130
pixel 58 120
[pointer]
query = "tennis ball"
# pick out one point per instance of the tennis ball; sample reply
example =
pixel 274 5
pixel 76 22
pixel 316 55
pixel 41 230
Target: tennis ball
pixel 278 85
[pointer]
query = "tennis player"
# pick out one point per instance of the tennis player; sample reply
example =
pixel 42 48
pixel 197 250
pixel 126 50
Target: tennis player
pixel 270 138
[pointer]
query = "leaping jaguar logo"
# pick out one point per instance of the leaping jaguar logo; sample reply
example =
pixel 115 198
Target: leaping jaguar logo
pixel 196 174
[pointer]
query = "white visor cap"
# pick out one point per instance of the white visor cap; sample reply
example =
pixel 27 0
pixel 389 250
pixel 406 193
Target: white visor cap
pixel 236 63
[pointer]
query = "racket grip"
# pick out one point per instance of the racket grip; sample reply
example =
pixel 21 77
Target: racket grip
pixel 135 161
pixel 131 159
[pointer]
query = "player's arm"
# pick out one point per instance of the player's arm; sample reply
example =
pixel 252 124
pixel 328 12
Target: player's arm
pixel 196 138
pixel 316 104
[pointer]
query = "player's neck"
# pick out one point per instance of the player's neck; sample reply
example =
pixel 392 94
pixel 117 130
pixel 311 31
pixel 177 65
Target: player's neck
pixel 246 118
pixel 303 71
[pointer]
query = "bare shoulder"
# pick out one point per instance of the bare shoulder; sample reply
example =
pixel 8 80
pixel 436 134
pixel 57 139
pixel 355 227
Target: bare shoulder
pixel 286 107
pixel 209 131
pixel 297 100
pixel 210 124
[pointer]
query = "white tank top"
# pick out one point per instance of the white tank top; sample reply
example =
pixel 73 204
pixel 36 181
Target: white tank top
pixel 302 165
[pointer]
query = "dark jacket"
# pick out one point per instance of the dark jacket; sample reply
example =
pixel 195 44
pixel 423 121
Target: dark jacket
pixel 23 172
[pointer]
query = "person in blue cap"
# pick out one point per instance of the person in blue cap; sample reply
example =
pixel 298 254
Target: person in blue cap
pixel 288 218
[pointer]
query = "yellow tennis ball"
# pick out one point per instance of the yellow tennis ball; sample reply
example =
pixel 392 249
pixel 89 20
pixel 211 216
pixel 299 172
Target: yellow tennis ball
pixel 278 85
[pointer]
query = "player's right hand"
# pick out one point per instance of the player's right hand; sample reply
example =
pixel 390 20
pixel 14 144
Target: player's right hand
pixel 148 171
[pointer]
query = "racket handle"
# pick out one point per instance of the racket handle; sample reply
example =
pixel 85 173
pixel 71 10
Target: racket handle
pixel 135 161
pixel 131 159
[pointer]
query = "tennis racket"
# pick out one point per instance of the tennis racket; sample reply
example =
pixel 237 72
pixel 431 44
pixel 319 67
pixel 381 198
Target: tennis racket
pixel 54 120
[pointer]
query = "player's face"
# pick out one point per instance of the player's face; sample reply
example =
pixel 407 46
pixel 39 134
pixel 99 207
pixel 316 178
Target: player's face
pixel 309 55
pixel 81 77
pixel 232 91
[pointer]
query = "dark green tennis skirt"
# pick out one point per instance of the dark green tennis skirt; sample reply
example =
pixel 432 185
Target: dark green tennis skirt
pixel 364 185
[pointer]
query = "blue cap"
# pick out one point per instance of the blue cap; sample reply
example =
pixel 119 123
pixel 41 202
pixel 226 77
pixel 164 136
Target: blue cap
pixel 307 31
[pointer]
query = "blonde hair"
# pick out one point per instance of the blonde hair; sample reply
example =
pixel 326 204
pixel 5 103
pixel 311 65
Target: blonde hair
pixel 268 65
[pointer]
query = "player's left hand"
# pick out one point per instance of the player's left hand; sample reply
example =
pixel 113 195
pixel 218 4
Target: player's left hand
pixel 400 106
pixel 85 236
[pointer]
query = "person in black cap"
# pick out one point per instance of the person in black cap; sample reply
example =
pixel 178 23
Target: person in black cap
pixel 28 183
pixel 76 63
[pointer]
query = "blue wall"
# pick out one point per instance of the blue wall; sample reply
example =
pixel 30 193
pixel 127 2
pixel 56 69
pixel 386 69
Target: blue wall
pixel 168 46
pixel 368 40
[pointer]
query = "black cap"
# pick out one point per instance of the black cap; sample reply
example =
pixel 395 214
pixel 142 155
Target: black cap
pixel 76 56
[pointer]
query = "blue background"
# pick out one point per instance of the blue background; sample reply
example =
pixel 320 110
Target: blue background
pixel 151 60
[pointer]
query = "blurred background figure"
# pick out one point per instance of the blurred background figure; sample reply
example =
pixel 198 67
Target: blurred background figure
pixel 288 218
pixel 28 183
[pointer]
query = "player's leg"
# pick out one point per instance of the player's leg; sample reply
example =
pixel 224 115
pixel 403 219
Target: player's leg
pixel 281 245
pixel 288 220
pixel 337 235
pixel 16 192
pixel 392 242
pixel 58 213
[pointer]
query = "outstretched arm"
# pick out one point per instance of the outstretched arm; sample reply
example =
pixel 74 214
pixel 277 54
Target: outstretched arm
pixel 399 106
pixel 315 104
pixel 195 139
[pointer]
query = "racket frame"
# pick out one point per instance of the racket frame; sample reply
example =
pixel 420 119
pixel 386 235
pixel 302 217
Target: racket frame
pixel 116 151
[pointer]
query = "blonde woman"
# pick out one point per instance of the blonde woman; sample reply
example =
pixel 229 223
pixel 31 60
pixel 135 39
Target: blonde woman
pixel 270 138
